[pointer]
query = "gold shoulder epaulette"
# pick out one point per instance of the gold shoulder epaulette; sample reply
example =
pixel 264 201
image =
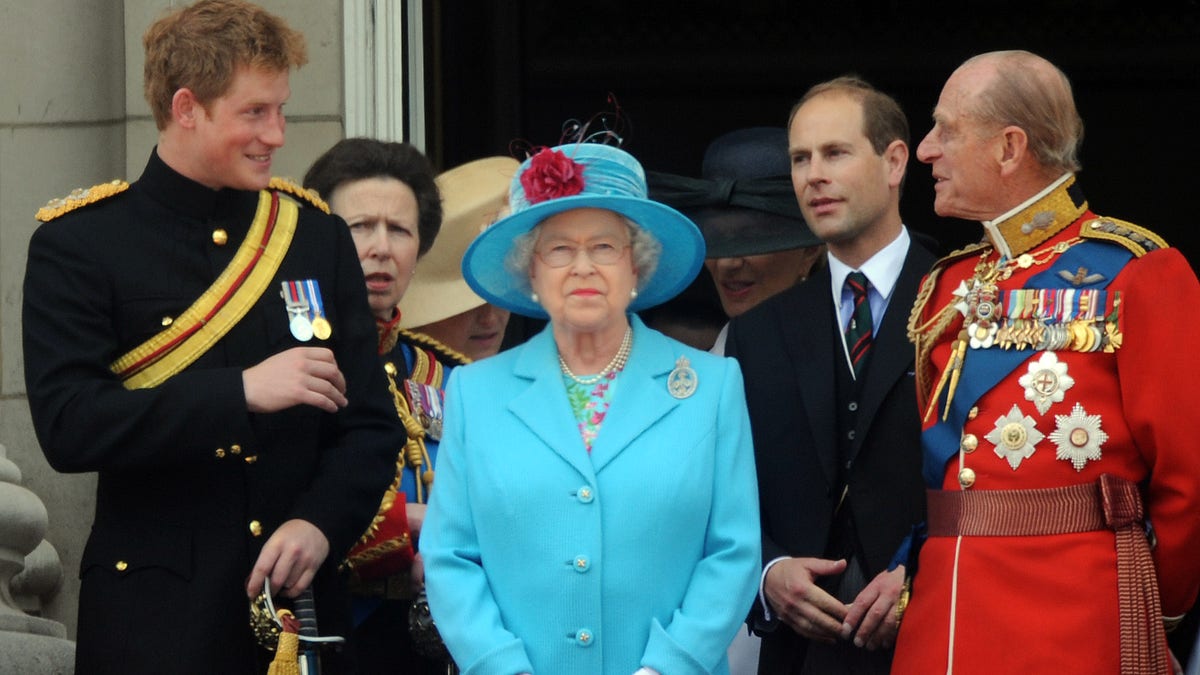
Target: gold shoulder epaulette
pixel 80 197
pixel 293 188
pixel 961 253
pixel 1136 238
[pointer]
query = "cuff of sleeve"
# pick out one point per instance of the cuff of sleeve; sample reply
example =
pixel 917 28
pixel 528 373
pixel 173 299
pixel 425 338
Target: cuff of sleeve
pixel 386 548
pixel 667 655
pixel 1170 623
pixel 762 594
pixel 509 657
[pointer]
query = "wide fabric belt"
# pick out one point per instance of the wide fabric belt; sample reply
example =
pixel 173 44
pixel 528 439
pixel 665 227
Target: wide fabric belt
pixel 1109 503
pixel 222 305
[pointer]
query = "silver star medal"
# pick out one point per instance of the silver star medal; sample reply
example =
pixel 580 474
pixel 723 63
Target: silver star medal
pixel 682 381
pixel 1078 437
pixel 1015 437
pixel 1046 382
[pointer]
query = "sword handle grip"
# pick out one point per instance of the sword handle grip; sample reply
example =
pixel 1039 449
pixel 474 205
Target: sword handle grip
pixel 306 613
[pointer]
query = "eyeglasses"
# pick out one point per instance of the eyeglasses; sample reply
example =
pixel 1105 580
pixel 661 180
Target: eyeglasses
pixel 599 252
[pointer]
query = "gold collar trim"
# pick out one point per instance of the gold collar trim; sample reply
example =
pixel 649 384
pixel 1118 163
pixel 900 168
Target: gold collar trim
pixel 1039 220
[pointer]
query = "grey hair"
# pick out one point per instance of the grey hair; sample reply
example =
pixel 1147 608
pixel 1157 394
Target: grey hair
pixel 1028 91
pixel 645 250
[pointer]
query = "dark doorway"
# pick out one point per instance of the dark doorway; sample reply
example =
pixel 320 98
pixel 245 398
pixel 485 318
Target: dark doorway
pixel 686 71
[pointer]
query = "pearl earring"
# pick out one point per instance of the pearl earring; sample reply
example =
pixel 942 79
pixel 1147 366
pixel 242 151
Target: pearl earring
pixel 534 297
pixel 633 294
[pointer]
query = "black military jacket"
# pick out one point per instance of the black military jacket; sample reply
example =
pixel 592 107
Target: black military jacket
pixel 190 483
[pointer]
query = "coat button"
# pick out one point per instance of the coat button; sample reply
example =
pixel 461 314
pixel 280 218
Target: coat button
pixel 582 564
pixel 585 495
pixel 167 321
pixel 969 443
pixel 121 565
pixel 256 528
pixel 583 637
pixel 852 406
pixel 966 478
pixel 250 459
pixel 850 435
pixel 235 449
pixel 220 453
pixel 220 237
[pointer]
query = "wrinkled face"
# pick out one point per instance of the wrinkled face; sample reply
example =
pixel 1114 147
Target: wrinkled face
pixel 745 281
pixel 844 187
pixel 584 296
pixel 382 214
pixel 238 133
pixel 962 151
pixel 475 332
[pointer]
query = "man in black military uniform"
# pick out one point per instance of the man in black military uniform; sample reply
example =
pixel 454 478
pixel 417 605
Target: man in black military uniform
pixel 204 342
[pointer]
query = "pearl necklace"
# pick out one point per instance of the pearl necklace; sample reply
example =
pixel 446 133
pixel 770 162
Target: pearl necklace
pixel 617 363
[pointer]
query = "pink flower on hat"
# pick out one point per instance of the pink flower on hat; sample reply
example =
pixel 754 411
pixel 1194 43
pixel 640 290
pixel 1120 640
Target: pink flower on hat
pixel 551 174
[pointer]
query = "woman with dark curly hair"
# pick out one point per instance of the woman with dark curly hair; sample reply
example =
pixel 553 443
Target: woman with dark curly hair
pixel 387 194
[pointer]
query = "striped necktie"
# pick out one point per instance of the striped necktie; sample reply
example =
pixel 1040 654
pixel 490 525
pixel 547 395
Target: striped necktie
pixel 858 333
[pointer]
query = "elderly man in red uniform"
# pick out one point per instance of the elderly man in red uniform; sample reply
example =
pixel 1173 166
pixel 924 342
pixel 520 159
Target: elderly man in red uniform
pixel 1059 398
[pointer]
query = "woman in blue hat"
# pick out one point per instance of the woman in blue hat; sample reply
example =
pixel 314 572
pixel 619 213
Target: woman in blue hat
pixel 596 510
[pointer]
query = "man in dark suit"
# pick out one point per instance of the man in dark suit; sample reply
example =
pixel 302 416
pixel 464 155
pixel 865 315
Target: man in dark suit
pixel 203 342
pixel 829 384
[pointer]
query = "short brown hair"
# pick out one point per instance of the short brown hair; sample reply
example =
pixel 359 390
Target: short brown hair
pixel 883 119
pixel 200 47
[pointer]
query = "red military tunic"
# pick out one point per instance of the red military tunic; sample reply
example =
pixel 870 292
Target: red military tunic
pixel 1052 418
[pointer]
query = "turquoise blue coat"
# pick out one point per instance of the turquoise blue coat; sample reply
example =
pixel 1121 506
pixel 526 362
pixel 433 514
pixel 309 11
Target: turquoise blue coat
pixel 542 558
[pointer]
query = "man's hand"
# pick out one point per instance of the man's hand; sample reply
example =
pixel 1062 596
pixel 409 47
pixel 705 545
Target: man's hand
pixel 791 589
pixel 298 376
pixel 290 559
pixel 873 612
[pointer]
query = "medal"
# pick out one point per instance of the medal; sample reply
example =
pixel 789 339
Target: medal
pixel 1046 382
pixel 981 308
pixel 682 381
pixel 426 403
pixel 296 302
pixel 301 327
pixel 1078 437
pixel 306 310
pixel 1015 437
pixel 321 328
pixel 320 325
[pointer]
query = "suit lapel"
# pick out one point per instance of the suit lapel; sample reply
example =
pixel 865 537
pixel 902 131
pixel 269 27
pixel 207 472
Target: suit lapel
pixel 543 406
pixel 641 398
pixel 892 354
pixel 806 335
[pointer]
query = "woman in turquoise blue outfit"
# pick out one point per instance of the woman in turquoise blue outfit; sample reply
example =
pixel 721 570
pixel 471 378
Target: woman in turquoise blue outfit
pixel 596 510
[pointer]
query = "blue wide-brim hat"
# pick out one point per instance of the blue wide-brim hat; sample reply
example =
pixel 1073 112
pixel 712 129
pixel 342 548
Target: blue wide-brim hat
pixel 582 175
